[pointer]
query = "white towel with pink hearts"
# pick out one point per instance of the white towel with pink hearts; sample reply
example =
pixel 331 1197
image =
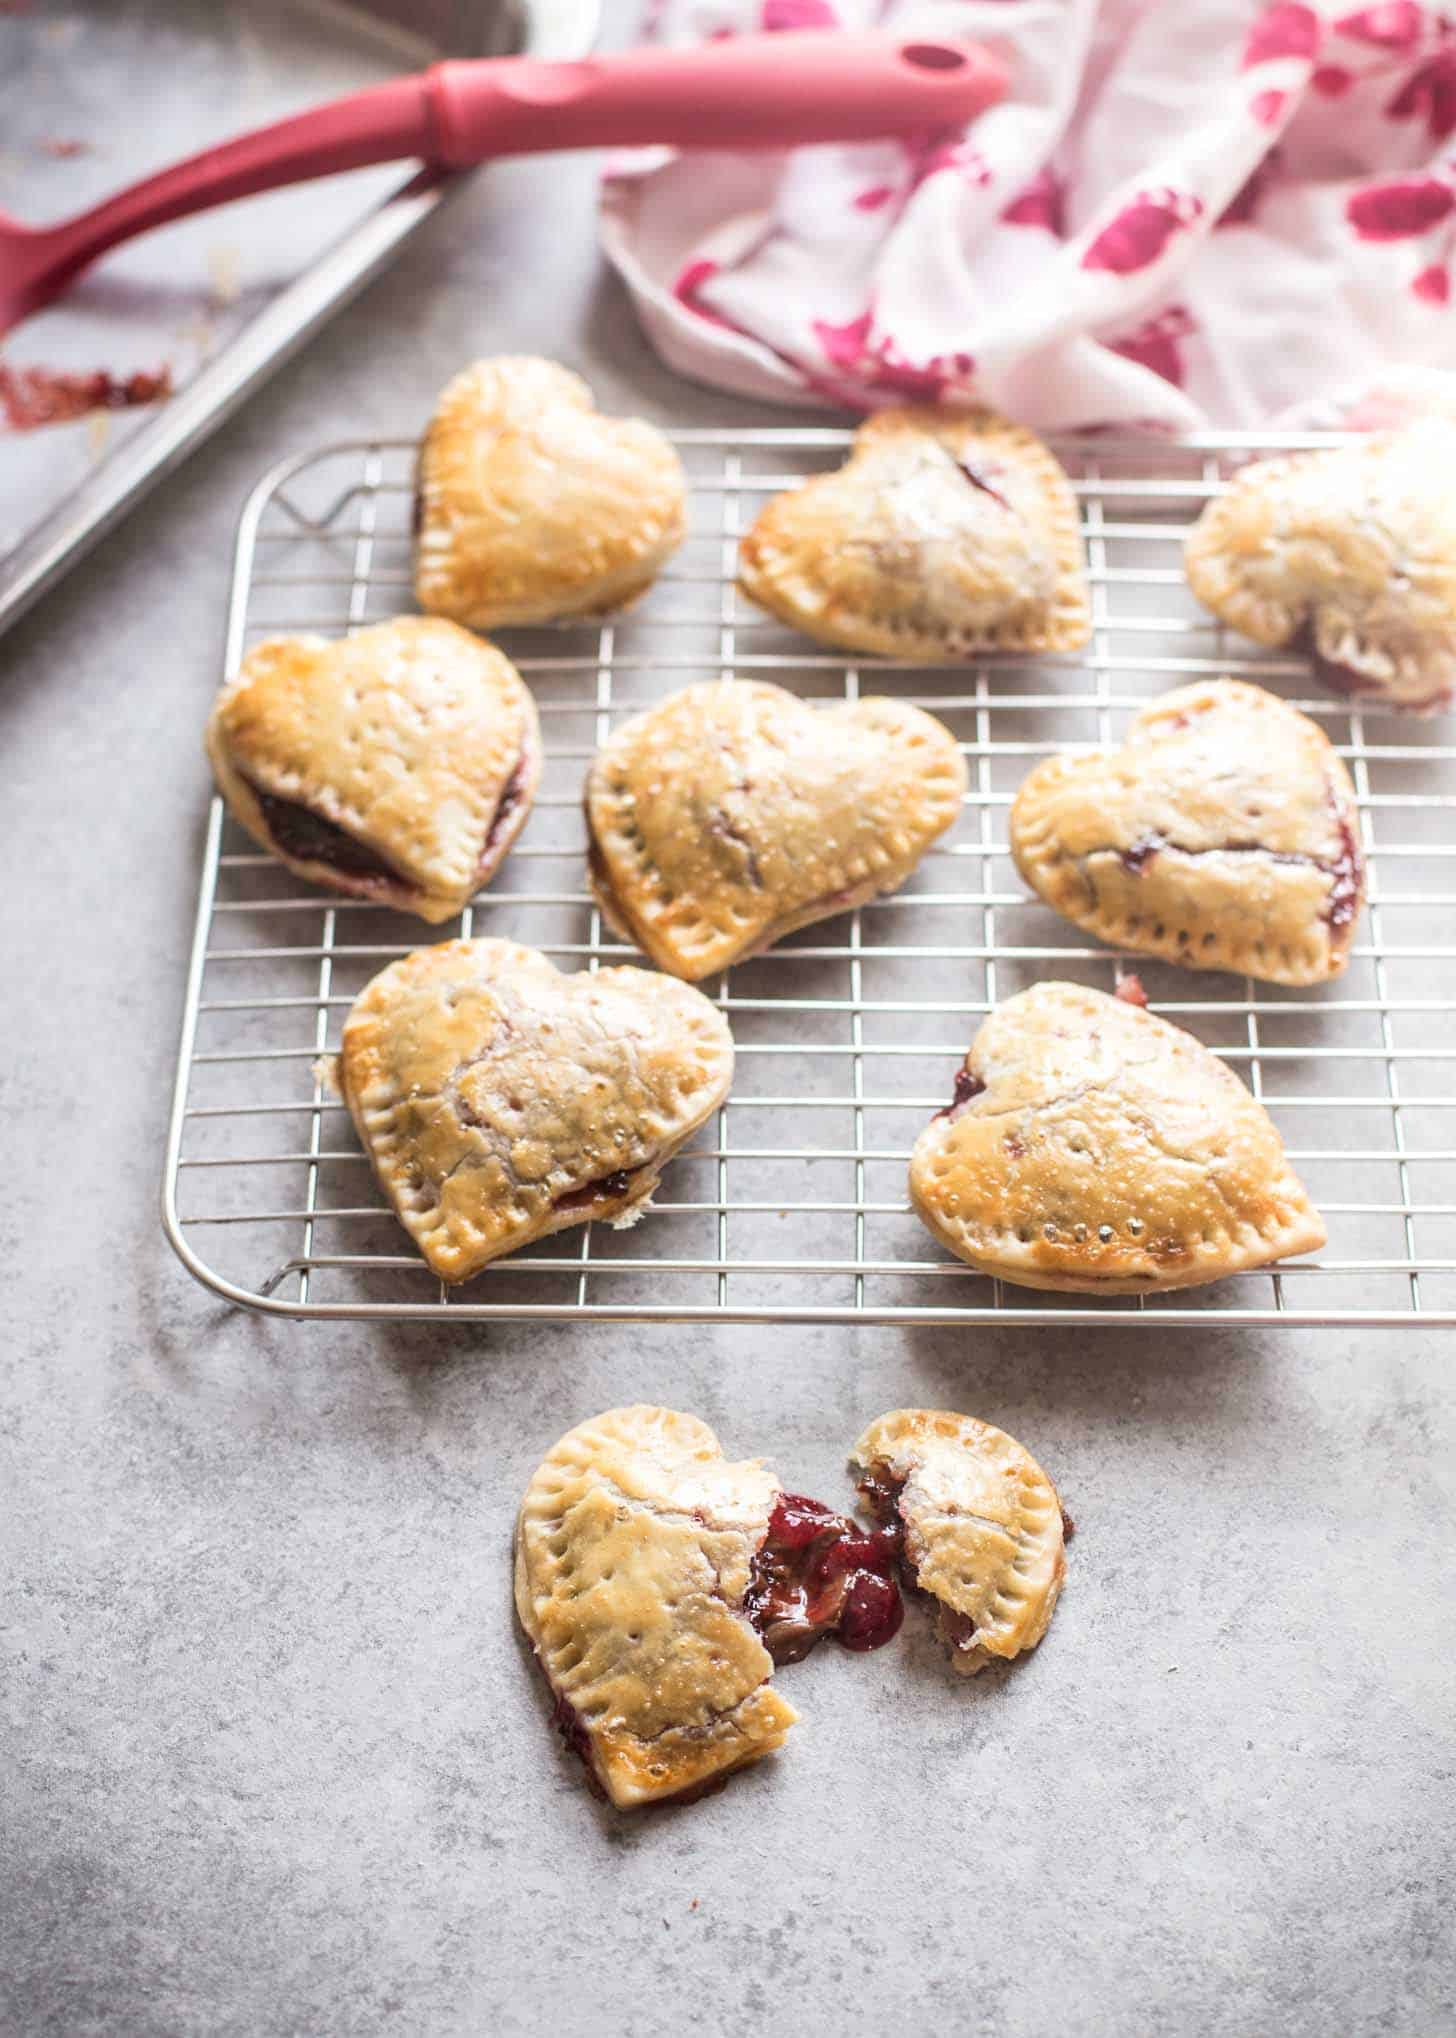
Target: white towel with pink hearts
pixel 1185 213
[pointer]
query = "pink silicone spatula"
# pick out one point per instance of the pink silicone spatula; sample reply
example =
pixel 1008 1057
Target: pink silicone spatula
pixel 767 91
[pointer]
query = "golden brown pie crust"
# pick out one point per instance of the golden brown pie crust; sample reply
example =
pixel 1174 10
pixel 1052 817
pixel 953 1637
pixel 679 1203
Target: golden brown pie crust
pixel 634 1550
pixel 942 535
pixel 499 1100
pixel 1355 546
pixel 983 1527
pixel 1096 1149
pixel 412 736
pixel 733 813
pixel 532 505
pixel 1223 835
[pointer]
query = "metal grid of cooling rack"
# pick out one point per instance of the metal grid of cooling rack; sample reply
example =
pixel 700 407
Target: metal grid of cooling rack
pixel 790 1204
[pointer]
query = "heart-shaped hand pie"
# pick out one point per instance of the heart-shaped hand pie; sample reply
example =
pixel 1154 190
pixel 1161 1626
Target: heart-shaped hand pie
pixel 733 813
pixel 396 764
pixel 499 1100
pixel 1223 835
pixel 941 535
pixel 650 1571
pixel 1352 550
pixel 1094 1148
pixel 532 505
pixel 981 1524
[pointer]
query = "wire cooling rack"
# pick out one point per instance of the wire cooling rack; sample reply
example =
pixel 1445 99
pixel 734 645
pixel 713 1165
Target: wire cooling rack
pixel 790 1204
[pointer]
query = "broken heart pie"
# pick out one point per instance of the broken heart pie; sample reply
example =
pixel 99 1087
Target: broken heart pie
pixel 1351 551
pixel 1223 835
pixel 658 1584
pixel 531 505
pixel 1094 1148
pixel 942 534
pixel 980 1523
pixel 733 813
pixel 499 1101
pixel 397 764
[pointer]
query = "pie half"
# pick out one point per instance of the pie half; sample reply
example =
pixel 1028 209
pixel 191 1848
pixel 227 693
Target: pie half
pixel 1094 1148
pixel 981 1523
pixel 659 1584
pixel 397 764
pixel 942 535
pixel 733 813
pixel 1352 551
pixel 532 505
pixel 1223 835
pixel 634 1554
pixel 499 1100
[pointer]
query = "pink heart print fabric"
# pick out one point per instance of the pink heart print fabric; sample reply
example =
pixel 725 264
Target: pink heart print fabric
pixel 1185 213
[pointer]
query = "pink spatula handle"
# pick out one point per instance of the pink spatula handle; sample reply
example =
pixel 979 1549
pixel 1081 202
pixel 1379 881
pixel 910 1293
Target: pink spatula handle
pixel 763 91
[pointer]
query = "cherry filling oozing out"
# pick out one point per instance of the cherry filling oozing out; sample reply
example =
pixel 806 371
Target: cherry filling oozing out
pixel 967 1086
pixel 978 479
pixel 1347 873
pixel 309 837
pixel 1345 870
pixel 1138 855
pixel 818 1573
pixel 605 1189
pixel 510 799
pixel 306 836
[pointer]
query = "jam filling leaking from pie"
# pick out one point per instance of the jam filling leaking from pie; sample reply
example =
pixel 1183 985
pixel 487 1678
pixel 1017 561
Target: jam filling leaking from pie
pixel 1140 854
pixel 967 1086
pixel 977 479
pixel 509 800
pixel 1345 870
pixel 1347 877
pixel 1349 680
pixel 819 1573
pixel 881 1491
pixel 605 1189
pixel 309 837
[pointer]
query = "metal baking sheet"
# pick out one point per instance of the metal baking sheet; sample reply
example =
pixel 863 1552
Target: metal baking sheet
pixel 96 95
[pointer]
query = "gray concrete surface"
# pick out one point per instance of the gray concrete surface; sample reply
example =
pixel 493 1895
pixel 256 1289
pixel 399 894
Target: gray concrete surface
pixel 273 1758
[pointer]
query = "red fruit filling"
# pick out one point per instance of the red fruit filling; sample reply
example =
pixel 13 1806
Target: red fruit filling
pixel 1345 870
pixel 977 478
pixel 605 1189
pixel 1347 875
pixel 308 837
pixel 510 799
pixel 966 1087
pixel 819 1573
pixel 1140 854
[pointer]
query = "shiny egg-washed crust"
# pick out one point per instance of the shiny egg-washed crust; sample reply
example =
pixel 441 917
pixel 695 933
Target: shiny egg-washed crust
pixel 1223 835
pixel 733 813
pixel 634 1549
pixel 406 735
pixel 1108 1153
pixel 532 505
pixel 982 1525
pixel 486 1087
pixel 901 552
pixel 1358 546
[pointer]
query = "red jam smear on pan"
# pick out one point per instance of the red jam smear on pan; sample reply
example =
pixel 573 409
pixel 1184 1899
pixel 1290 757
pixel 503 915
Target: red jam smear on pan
pixel 30 397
